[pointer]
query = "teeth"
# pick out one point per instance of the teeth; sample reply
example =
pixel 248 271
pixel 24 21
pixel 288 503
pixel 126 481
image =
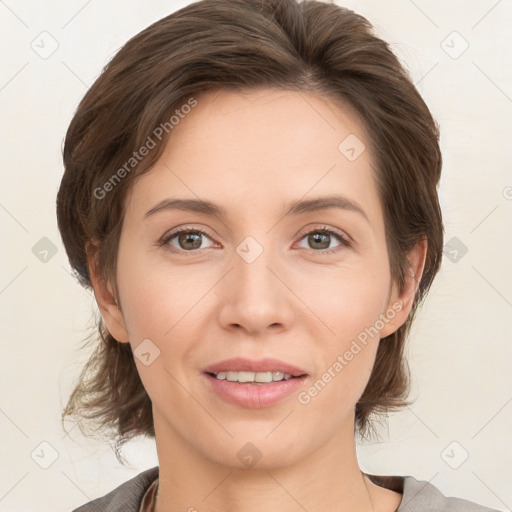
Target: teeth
pixel 258 378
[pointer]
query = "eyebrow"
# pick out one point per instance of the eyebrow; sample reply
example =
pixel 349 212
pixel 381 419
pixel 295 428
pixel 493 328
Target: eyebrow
pixel 298 207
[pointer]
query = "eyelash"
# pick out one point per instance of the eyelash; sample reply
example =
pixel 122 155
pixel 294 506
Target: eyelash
pixel 344 241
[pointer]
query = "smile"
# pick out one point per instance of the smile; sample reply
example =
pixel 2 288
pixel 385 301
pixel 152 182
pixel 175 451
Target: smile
pixel 252 377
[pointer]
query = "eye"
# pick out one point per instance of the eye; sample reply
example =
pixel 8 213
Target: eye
pixel 186 239
pixel 320 240
pixel 191 240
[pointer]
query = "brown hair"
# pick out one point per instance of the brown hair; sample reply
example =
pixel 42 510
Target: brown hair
pixel 310 46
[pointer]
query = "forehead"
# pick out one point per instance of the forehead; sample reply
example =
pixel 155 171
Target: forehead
pixel 267 119
pixel 263 147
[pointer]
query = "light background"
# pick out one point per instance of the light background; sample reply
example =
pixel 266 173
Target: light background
pixel 460 347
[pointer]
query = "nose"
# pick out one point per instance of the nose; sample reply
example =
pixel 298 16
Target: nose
pixel 255 296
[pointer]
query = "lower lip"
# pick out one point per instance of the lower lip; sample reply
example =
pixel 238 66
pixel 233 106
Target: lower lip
pixel 255 396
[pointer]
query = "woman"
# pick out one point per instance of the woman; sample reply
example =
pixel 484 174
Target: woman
pixel 250 189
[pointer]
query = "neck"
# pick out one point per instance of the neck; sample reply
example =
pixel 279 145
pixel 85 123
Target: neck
pixel 328 479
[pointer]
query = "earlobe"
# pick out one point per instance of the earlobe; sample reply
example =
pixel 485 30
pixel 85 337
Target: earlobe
pixel 106 300
pixel 400 303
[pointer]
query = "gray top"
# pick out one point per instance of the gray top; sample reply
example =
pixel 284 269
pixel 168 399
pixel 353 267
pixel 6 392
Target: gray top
pixel 418 496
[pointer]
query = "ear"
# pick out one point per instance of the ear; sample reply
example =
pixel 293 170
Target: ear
pixel 400 303
pixel 105 297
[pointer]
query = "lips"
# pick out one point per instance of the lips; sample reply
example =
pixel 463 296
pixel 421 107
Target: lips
pixel 248 393
pixel 240 364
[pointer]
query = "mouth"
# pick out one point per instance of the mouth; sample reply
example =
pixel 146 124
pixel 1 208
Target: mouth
pixel 261 371
pixel 258 378
pixel 254 384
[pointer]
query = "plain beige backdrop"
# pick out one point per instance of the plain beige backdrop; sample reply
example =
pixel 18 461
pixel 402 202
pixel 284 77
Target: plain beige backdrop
pixel 457 433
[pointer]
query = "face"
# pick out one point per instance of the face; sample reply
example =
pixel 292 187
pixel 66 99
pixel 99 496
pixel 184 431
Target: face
pixel 267 278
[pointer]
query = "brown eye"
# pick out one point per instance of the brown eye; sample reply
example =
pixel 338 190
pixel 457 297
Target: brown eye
pixel 320 240
pixel 186 240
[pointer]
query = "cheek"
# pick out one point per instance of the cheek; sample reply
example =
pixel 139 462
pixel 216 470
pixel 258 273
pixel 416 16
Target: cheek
pixel 161 304
pixel 157 297
pixel 349 305
pixel 347 299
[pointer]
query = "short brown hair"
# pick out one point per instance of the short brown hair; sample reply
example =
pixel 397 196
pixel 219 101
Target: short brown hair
pixel 309 46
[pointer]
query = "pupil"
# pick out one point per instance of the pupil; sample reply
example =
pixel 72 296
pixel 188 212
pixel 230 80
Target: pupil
pixel 315 238
pixel 184 238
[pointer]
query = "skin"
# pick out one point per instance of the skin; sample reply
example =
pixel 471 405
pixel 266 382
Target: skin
pixel 253 153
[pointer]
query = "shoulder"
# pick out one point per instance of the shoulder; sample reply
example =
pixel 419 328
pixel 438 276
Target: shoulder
pixel 125 498
pixel 422 496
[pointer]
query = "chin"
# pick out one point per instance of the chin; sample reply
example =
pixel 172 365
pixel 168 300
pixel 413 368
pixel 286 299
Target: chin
pixel 257 453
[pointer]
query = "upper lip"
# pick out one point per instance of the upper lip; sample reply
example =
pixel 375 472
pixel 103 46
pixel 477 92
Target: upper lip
pixel 241 364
